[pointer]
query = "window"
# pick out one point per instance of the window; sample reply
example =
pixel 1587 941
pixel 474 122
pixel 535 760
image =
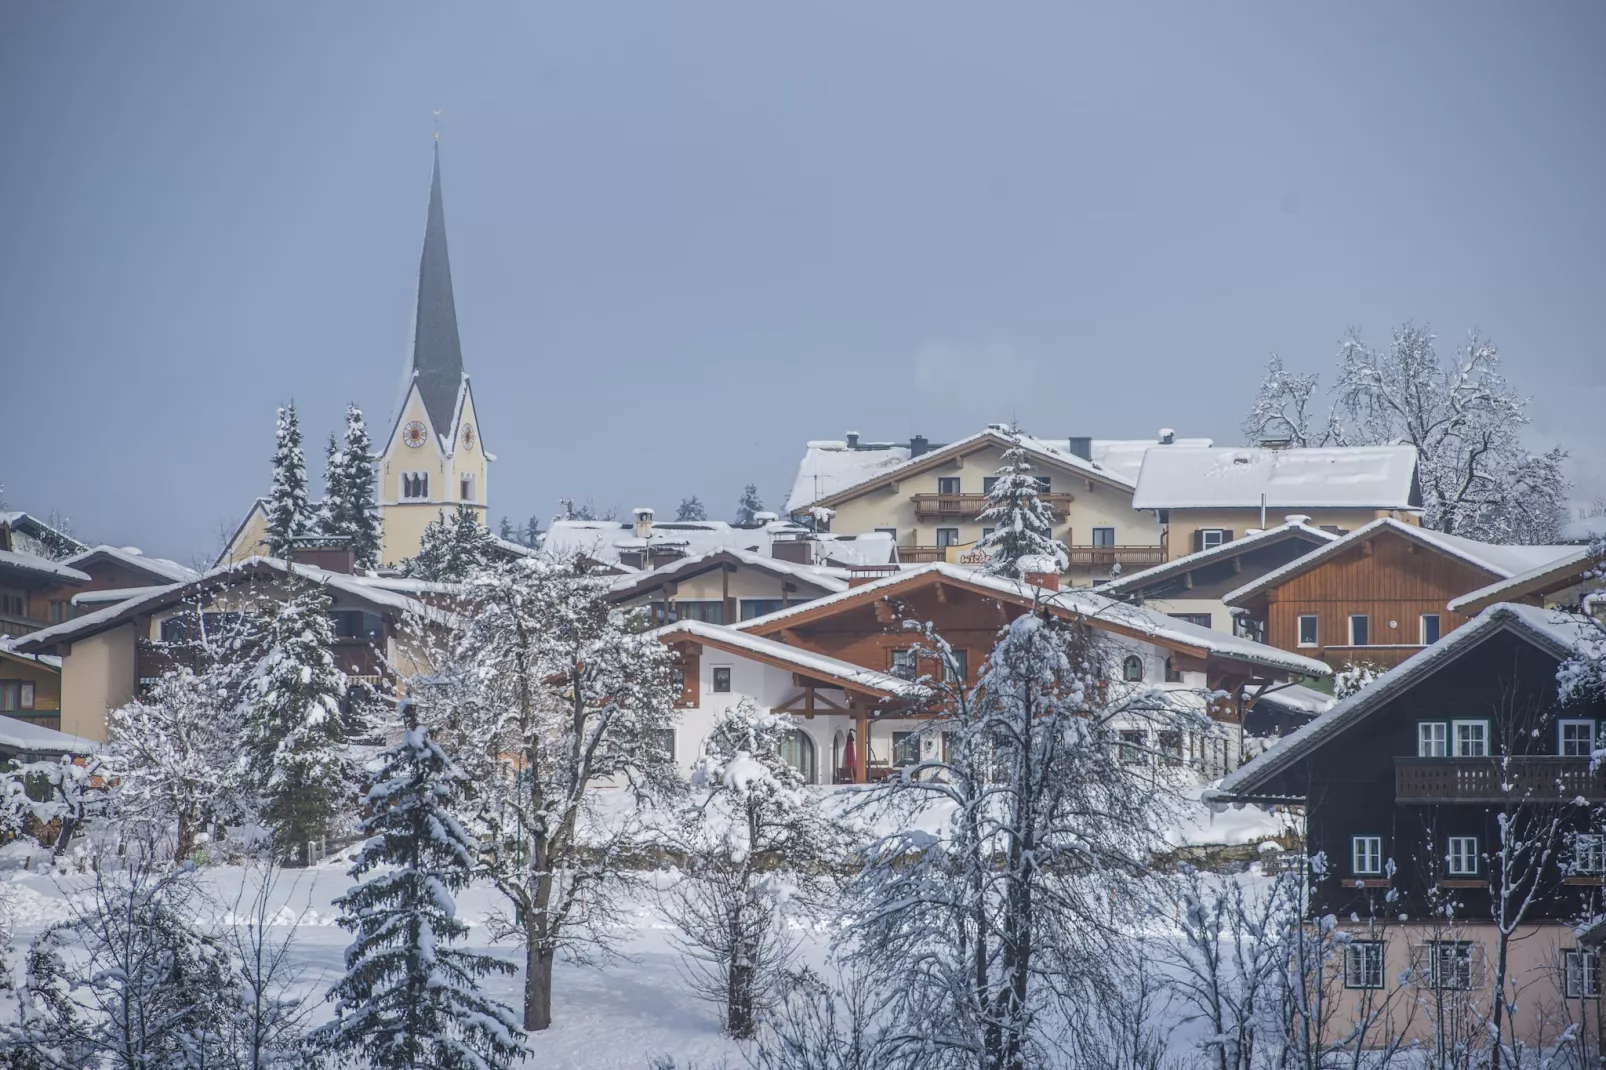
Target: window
pixel 465 486
pixel 763 607
pixel 1132 669
pixel 1307 630
pixel 891 532
pixel 1463 856
pixel 13 605
pixel 905 748
pixel 1103 536
pixel 16 694
pixel 1133 745
pixel 709 611
pixel 957 669
pixel 987 531
pixel 988 483
pixel 1577 739
pixel 1451 964
pixel 1430 629
pixel 176 630
pixel 1583 973
pixel 58 611
pixel 1471 738
pixel 415 485
pixel 1363 964
pixel 1432 739
pixel 1211 537
pixel 1589 854
pixel 722 681
pixel 1366 854
pixel 947 537
pixel 948 485
pixel 903 664
pixel 1171 747
pixel 1359 629
pixel 797 751
pixel 1045 485
pixel 680 687
pixel 355 624
pixel 1173 675
pixel 1201 619
pixel 665 739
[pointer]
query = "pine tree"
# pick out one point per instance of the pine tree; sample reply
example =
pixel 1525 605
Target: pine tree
pixel 692 508
pixel 1022 523
pixel 748 508
pixel 348 504
pixel 289 514
pixel 532 533
pixel 407 998
pixel 292 737
pixel 505 530
pixel 452 547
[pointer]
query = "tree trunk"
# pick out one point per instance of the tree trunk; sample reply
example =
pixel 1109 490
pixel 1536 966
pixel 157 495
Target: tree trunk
pixel 186 837
pixel 537 986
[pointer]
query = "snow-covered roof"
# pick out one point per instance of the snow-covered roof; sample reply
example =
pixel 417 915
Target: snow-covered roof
pixel 115 594
pixel 42 567
pixel 827 579
pixel 160 567
pixel 602 540
pixel 37 739
pixel 1560 633
pixel 1225 552
pixel 1567 567
pixel 1354 477
pixel 1300 698
pixel 808 661
pixel 831 467
pixel 32 527
pixel 1502 561
pixel 1096 608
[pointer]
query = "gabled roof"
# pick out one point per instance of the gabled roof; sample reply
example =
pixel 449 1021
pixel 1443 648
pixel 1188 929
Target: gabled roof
pixel 1563 571
pixel 1100 611
pixel 1496 560
pixel 1350 477
pixel 1224 552
pixel 632 584
pixel 40 568
pixel 150 600
pixel 38 530
pixel 818 666
pixel 157 568
pixel 1557 633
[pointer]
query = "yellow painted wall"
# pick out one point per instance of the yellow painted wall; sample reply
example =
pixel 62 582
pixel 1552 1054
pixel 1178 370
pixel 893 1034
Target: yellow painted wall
pixel 97 676
pixel 1102 506
pixel 252 538
pixel 1184 522
pixel 403 522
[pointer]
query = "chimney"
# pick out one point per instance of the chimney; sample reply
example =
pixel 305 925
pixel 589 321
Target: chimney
pixel 1048 581
pixel 853 440
pixel 1168 437
pixel 643 517
pixel 797 551
pixel 918 445
pixel 332 553
pixel 1080 447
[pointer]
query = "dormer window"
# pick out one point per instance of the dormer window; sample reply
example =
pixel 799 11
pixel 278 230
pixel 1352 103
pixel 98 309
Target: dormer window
pixel 415 486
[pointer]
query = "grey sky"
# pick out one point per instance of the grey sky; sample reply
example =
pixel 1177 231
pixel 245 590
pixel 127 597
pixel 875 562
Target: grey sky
pixel 687 237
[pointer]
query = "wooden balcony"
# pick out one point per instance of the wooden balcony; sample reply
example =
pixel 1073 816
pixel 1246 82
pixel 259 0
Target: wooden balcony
pixel 1125 556
pixel 921 555
pixel 14 626
pixel 970 506
pixel 1537 778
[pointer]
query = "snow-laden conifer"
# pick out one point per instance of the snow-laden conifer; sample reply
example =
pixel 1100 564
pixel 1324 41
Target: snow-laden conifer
pixel 692 508
pixel 348 503
pixel 291 746
pixel 757 842
pixel 408 999
pixel 452 547
pixel 1022 523
pixel 289 513
pixel 748 507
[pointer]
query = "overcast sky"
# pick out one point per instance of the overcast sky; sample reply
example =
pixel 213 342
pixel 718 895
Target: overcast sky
pixel 688 237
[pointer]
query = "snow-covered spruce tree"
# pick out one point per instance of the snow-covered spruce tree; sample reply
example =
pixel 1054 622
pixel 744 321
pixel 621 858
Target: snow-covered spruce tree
pixel 754 840
pixel 545 693
pixel 1022 523
pixel 172 753
pixel 409 1000
pixel 505 530
pixel 126 981
pixel 289 513
pixel 692 508
pixel 748 507
pixel 291 745
pixel 532 533
pixel 452 547
pixel 1010 911
pixel 348 504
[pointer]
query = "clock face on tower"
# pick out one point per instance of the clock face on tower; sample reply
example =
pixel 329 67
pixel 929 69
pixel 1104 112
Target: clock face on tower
pixel 414 434
pixel 468 436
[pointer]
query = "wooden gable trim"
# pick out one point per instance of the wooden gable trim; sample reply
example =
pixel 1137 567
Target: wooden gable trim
pixel 775 661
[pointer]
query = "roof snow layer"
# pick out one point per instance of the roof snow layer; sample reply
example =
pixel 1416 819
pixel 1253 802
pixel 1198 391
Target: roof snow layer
pixel 806 660
pixel 1355 477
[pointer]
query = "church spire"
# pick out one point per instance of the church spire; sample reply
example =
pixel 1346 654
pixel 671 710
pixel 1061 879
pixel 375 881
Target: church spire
pixel 437 353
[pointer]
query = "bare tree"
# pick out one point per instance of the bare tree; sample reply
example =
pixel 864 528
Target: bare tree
pixel 1282 409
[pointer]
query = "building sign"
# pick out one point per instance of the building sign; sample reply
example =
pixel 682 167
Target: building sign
pixel 969 554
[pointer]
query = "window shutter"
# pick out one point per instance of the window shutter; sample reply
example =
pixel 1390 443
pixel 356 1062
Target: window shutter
pixel 1226 535
pixel 1198 539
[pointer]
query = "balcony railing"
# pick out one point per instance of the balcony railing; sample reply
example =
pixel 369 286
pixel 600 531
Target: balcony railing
pixel 1532 778
pixel 969 506
pixel 1125 556
pixel 15 626
pixel 921 555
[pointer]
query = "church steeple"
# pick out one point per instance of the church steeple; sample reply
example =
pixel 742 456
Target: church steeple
pixel 437 353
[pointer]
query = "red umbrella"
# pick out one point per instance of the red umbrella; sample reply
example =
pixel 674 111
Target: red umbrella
pixel 852 760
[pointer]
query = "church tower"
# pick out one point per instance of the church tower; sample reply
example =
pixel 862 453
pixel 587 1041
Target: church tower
pixel 434 460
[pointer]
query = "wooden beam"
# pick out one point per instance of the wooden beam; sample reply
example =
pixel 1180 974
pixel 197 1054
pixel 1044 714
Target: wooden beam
pixel 942 593
pixel 861 740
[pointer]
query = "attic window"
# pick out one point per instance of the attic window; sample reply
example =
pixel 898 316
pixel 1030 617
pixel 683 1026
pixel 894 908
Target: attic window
pixel 415 486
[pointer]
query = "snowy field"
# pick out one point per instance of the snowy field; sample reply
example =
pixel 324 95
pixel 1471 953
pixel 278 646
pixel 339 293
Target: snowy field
pixel 615 1015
